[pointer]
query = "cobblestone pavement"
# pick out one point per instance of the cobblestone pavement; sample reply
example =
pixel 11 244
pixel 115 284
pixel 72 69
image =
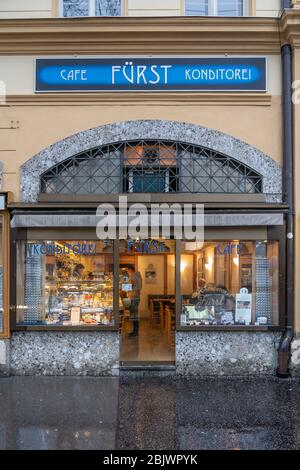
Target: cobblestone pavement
pixel 148 413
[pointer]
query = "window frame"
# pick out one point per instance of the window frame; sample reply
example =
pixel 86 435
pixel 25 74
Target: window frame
pixel 274 234
pixel 18 235
pixel 213 8
pixel 180 165
pixel 92 10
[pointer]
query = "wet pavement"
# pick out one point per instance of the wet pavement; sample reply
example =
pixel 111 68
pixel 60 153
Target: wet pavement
pixel 148 413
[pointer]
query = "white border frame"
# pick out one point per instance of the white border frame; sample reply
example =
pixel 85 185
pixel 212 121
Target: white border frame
pixel 154 57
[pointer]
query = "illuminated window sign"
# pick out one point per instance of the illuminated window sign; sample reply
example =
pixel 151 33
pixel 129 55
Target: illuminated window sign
pixel 155 74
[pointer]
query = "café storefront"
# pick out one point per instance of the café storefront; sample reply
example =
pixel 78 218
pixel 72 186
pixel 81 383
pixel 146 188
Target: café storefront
pixel 211 308
pixel 201 127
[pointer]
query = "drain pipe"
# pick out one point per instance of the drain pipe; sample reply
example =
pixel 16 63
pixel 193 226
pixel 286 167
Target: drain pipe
pixel 286 4
pixel 284 351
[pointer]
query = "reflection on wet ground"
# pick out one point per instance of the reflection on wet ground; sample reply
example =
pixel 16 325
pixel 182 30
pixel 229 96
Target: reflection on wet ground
pixel 148 413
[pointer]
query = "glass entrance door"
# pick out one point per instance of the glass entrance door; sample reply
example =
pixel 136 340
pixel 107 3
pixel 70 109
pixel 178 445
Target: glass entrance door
pixel 147 300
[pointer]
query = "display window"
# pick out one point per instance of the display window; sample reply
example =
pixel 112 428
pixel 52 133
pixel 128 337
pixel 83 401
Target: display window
pixel 65 283
pixel 229 283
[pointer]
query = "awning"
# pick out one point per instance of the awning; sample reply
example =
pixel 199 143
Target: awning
pixel 90 220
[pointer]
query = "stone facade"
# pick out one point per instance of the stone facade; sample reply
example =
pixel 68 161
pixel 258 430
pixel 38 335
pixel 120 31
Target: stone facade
pixel 98 354
pixel 4 357
pixel 295 358
pixel 226 353
pixel 151 129
pixel 65 353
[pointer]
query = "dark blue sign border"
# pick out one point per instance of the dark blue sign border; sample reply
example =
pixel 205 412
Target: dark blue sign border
pixel 155 74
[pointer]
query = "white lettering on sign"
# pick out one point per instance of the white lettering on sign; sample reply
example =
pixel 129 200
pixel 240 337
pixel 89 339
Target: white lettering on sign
pixel 73 74
pixel 217 74
pixel 140 74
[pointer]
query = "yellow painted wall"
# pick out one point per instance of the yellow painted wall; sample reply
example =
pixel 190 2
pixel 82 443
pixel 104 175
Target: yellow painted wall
pixel 18 74
pixel 158 287
pixel 187 275
pixel 41 126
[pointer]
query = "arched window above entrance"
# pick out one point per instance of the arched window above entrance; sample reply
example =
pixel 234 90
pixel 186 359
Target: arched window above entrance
pixel 150 166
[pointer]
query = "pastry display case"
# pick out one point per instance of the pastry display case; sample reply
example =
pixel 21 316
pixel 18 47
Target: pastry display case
pixel 67 283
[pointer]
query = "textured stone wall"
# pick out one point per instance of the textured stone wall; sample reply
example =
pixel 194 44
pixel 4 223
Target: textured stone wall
pixel 226 353
pixel 97 353
pixel 64 353
pixel 151 129
pixel 4 357
pixel 295 359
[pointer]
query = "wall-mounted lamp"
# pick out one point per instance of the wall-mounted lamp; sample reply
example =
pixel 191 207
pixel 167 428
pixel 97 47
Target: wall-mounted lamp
pixel 182 266
pixel 236 260
pixel 208 266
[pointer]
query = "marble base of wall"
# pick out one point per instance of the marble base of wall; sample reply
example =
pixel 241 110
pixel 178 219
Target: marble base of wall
pixel 295 358
pixel 65 353
pixel 226 353
pixel 4 357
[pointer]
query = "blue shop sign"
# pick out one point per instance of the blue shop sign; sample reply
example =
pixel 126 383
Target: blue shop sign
pixel 155 74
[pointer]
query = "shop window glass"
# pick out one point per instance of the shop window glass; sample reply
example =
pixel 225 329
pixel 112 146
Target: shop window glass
pixel 1 277
pixel 91 8
pixel 230 283
pixel 68 283
pixel 214 7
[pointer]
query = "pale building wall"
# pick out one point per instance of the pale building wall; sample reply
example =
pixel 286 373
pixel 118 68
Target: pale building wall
pixel 155 7
pixel 268 8
pixel 26 8
pixel 17 72
pixel 48 8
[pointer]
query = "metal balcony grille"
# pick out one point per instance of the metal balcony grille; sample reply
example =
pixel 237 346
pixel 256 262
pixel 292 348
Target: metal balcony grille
pixel 150 166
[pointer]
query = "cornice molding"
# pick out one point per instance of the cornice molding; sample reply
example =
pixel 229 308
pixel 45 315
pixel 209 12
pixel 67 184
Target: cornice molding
pixel 132 35
pixel 290 26
pixel 140 99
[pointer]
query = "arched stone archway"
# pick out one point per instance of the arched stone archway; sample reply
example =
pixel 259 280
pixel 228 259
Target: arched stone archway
pixel 150 129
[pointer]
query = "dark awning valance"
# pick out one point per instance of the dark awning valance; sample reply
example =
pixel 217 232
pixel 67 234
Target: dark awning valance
pixel 90 220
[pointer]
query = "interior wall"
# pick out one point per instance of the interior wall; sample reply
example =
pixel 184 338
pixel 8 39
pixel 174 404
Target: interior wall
pixel 171 274
pixel 155 288
pixel 187 274
pixel 209 263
